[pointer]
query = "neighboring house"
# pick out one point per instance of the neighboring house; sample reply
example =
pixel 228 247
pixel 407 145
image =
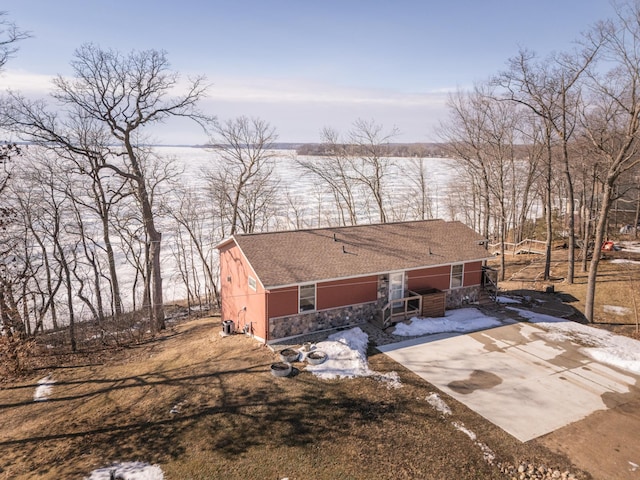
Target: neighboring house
pixel 281 284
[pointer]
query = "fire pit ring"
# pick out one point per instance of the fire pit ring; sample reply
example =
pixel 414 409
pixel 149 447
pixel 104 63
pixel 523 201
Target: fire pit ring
pixel 280 369
pixel 316 357
pixel 289 355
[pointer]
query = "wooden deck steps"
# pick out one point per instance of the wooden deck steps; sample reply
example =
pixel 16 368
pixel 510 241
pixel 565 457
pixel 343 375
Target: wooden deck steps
pixel 485 299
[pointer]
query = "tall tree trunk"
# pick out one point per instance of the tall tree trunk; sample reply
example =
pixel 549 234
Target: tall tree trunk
pixel 637 217
pixel 154 238
pixel 548 216
pixel 113 271
pixel 572 226
pixel 157 298
pixel 600 234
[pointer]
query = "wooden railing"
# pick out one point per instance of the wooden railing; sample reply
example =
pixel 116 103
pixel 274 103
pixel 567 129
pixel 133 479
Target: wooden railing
pixel 525 246
pixel 490 281
pixel 401 309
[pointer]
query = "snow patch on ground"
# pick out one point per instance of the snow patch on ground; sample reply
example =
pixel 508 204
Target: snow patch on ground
pixel 347 358
pixel 440 405
pixel 501 299
pixel 459 320
pixel 616 309
pixel 606 347
pixel 460 426
pixel 44 389
pixel 630 246
pixel 128 471
pixel 624 260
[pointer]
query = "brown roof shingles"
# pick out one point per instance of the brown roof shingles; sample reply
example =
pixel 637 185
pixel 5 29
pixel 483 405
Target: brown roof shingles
pixel 301 256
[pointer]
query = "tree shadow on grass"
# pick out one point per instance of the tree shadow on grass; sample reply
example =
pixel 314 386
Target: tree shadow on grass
pixel 228 412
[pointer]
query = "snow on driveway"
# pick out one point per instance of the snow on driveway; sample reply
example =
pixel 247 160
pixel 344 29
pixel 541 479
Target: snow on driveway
pixel 528 378
pixel 458 320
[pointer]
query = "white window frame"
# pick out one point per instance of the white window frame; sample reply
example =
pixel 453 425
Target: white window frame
pixel 396 284
pixel 300 297
pixel 452 276
pixel 253 285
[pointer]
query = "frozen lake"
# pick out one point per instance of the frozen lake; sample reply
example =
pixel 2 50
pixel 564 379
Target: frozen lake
pixel 304 189
pixel 293 177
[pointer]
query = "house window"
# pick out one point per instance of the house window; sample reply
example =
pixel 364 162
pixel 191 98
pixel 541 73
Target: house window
pixel 307 297
pixel 252 283
pixel 456 275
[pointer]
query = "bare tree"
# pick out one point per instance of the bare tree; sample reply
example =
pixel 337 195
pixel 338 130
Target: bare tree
pixel 370 162
pixel 244 178
pixel 465 134
pixel 612 119
pixel 550 89
pixel 125 94
pixel 196 251
pixel 94 191
pixel 333 170
pixel 420 202
pixel 10 34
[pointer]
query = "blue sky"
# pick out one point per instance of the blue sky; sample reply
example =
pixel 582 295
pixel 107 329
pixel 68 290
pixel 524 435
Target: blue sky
pixel 303 65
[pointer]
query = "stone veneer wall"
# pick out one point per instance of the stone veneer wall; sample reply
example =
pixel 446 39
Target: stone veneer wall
pixel 383 290
pixel 304 323
pixel 462 296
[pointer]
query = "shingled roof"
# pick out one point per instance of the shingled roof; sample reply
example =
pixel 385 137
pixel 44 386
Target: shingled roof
pixel 305 256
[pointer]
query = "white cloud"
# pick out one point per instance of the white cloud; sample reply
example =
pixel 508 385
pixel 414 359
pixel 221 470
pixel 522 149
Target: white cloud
pixel 305 91
pixel 25 82
pixel 298 108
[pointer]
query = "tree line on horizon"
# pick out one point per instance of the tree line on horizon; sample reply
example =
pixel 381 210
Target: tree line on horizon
pixel 88 198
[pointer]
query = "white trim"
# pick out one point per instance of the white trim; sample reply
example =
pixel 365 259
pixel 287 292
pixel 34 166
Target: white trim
pixel 315 297
pixel 451 287
pixel 402 286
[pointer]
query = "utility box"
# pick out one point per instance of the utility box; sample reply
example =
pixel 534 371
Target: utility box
pixel 227 327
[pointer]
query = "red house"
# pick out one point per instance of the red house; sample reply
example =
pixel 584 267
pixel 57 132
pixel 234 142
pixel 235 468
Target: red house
pixel 281 284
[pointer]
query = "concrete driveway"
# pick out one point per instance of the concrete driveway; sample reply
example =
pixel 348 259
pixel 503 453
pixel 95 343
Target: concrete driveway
pixel 515 377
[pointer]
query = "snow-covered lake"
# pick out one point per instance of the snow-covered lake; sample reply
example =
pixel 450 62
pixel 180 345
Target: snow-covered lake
pixel 439 171
pixel 299 202
pixel 194 160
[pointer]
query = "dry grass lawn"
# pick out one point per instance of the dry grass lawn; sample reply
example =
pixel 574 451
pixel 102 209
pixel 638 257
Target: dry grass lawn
pixel 237 421
pixel 234 420
pixel 618 286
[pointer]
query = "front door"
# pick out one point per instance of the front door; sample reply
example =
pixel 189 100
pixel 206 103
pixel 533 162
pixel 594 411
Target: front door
pixel 396 288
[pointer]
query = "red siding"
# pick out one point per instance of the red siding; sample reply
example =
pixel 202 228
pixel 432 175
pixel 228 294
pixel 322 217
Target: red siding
pixel 472 274
pixel 427 278
pixel 282 301
pixel 243 305
pixel 240 303
pixel 346 292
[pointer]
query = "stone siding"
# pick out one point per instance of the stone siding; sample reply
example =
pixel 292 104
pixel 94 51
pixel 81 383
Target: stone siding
pixel 383 289
pixel 304 323
pixel 462 296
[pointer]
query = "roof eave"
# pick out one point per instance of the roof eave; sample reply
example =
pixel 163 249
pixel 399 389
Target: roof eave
pixel 272 287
